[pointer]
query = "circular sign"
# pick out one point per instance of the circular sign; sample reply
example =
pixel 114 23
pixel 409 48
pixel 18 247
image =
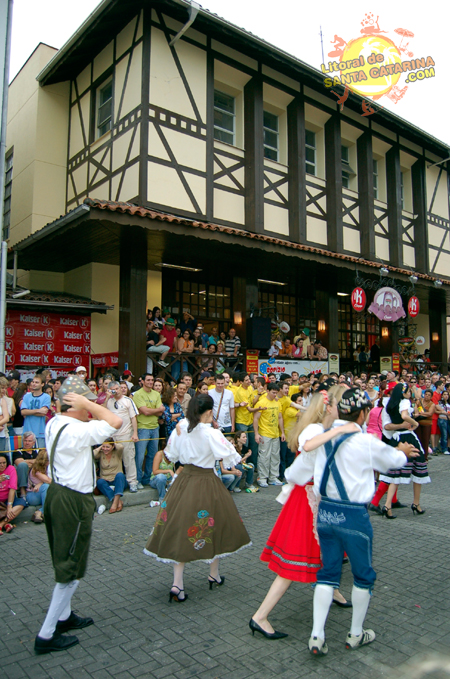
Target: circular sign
pixel 378 77
pixel 420 341
pixel 387 305
pixel 358 299
pixel 413 306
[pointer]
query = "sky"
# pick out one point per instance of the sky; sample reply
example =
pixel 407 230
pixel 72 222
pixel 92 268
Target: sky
pixel 294 27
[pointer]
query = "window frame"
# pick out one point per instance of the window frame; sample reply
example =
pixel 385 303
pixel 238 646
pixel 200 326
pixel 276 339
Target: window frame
pixel 223 111
pixel 98 90
pixel 314 149
pixel 269 147
pixel 375 179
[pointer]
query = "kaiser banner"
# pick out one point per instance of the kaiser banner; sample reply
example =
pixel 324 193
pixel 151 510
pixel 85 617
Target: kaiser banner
pixel 278 366
pixel 34 338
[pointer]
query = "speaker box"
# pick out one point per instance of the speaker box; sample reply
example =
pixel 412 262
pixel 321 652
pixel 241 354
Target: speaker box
pixel 258 333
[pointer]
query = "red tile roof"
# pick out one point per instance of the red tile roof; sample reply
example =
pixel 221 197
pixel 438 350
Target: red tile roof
pixel 136 211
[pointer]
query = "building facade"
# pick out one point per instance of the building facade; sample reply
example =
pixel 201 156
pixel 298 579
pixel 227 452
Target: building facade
pixel 205 169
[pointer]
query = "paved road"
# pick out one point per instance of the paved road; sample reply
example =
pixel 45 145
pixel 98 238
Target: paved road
pixel 138 634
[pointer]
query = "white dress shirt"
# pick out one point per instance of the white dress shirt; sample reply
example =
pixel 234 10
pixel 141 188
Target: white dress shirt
pixel 202 447
pixel 405 404
pixel 356 459
pixel 73 463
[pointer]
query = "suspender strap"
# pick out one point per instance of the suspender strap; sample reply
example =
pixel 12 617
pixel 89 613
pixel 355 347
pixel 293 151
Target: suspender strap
pixel 55 443
pixel 331 448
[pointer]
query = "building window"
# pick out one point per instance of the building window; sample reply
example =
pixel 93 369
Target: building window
pixel 310 144
pixel 104 108
pixel 375 178
pixel 224 117
pixel 7 197
pixel 345 166
pixel 271 136
pixel 402 194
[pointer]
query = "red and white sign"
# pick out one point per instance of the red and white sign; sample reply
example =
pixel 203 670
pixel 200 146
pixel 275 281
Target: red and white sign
pixel 359 299
pixel 413 306
pixel 105 360
pixel 35 338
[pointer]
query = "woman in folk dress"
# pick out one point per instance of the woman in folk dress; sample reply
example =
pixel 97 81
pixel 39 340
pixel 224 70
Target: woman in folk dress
pixel 198 520
pixel 292 550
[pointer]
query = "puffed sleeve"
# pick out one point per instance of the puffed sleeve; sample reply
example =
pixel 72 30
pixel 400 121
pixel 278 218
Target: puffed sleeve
pixel 172 450
pixel 223 449
pixel 302 469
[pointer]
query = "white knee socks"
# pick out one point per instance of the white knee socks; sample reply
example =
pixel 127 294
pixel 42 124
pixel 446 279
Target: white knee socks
pixel 360 601
pixel 60 607
pixel 323 596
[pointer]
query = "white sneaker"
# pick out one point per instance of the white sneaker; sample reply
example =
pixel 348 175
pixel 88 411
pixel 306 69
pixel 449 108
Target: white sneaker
pixel 276 482
pixel 262 483
pixel 355 641
pixel 133 487
pixel 140 486
pixel 446 452
pixel 317 646
pixel 236 490
pixel 163 364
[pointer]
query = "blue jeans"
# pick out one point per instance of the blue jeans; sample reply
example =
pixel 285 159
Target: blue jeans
pixel 345 527
pixel 159 482
pixel 149 447
pixel 119 483
pixel 177 368
pixel 286 458
pixel 227 479
pixel 246 473
pixel 444 427
pixel 36 498
pixel 22 470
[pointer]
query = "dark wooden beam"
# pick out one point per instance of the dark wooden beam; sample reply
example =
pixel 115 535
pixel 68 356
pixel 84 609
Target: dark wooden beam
pixel 366 195
pixel 133 299
pixel 254 155
pixel 327 310
pixel 145 100
pixel 333 170
pixel 438 324
pixel 209 134
pixel 297 170
pixel 419 189
pixel 394 203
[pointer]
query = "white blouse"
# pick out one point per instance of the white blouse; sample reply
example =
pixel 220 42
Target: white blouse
pixel 201 447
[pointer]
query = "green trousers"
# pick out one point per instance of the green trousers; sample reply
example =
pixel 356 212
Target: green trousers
pixel 68 519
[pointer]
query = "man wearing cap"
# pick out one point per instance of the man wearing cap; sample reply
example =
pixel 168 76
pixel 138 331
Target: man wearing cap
pixel 13 382
pixel 343 478
pixel 304 335
pixel 126 378
pixel 170 333
pixel 70 505
pixel 81 372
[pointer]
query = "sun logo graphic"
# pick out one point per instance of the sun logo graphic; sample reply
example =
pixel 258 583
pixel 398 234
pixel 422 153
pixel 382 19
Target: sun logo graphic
pixel 372 64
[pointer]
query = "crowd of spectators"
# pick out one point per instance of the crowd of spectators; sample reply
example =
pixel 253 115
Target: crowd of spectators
pixel 257 413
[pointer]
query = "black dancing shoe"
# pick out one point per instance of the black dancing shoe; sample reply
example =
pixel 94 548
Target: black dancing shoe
pixel 386 514
pixel 73 622
pixel 56 643
pixel 398 505
pixel 342 604
pixel 212 581
pixel 269 635
pixel 175 596
pixel 375 508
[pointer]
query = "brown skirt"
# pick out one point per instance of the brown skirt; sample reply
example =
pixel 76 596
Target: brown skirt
pixel 197 521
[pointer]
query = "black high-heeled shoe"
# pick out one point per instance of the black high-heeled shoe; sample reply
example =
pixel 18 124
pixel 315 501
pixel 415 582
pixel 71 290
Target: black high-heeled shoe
pixel 175 595
pixel 213 581
pixel 415 510
pixel 385 511
pixel 269 635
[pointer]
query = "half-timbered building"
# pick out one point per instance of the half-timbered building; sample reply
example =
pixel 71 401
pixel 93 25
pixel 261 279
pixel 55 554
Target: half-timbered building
pixel 166 157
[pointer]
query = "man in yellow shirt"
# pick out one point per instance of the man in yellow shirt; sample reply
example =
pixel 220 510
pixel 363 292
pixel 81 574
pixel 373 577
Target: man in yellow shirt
pixel 267 423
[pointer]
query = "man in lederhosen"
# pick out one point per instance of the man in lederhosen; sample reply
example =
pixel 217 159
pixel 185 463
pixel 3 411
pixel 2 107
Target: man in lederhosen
pixel 343 477
pixel 69 505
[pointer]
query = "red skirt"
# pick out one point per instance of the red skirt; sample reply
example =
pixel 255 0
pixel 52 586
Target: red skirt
pixel 292 550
